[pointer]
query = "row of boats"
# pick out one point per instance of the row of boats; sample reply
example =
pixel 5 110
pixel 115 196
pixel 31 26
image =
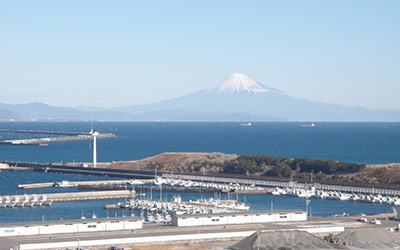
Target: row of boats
pixel 335 195
pixel 26 201
pixel 161 211
pixel 176 206
pixel 208 185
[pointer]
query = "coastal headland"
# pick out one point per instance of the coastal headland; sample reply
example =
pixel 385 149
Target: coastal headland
pixel 235 166
pixel 219 164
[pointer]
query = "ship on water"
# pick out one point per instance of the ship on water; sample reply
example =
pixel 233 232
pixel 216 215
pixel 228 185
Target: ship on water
pixel 307 125
pixel 247 124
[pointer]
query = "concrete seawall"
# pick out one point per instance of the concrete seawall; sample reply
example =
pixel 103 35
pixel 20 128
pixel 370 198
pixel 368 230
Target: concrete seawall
pixel 77 196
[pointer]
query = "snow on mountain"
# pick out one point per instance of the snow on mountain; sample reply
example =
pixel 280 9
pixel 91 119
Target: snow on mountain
pixel 239 94
pixel 239 82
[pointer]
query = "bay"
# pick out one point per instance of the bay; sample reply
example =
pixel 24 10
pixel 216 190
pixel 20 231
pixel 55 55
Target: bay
pixel 367 143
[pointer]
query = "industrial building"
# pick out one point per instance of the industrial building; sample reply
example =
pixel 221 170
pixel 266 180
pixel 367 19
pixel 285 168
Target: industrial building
pixel 70 226
pixel 248 217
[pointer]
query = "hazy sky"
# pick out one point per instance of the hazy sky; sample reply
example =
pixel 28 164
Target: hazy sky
pixel 111 53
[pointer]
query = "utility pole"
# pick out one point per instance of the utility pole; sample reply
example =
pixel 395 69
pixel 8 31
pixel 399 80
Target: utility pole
pixel 312 172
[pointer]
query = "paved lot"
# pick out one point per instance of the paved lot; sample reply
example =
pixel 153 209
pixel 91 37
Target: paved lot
pixel 156 230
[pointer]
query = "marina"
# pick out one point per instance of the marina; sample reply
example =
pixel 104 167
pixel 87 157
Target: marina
pixel 300 190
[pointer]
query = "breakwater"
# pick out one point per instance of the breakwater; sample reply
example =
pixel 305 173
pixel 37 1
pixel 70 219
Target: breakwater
pixel 43 141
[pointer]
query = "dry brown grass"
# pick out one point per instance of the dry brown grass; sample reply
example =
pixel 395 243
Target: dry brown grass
pixel 383 175
pixel 177 162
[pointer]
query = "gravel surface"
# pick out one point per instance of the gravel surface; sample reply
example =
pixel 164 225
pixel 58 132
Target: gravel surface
pixel 282 240
pixel 370 238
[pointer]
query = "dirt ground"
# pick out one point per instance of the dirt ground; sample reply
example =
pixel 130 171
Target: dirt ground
pixel 179 246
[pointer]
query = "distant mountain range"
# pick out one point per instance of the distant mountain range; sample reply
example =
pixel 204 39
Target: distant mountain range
pixel 238 98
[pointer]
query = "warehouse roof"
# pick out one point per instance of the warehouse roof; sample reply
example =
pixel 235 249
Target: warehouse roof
pixel 59 222
pixel 250 212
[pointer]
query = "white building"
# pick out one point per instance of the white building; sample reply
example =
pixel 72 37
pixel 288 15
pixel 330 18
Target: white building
pixel 247 217
pixel 70 226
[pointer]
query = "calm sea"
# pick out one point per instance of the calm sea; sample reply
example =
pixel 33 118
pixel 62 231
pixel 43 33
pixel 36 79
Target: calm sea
pixel 350 142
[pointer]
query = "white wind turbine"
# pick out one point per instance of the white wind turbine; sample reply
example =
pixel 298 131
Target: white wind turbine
pixel 94 134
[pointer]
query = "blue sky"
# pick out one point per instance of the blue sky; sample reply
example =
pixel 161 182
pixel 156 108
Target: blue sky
pixel 112 53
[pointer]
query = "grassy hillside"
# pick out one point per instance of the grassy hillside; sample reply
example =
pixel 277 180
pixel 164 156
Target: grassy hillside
pixel 269 167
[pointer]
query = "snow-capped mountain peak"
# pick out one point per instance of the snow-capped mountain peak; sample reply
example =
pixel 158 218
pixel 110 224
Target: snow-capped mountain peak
pixel 238 82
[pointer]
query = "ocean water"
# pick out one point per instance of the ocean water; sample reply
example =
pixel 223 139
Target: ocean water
pixel 350 142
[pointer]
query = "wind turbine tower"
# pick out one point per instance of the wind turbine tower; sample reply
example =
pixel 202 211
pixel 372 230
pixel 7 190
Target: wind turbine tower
pixel 95 134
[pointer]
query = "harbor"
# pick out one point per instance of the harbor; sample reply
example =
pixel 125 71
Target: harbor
pixel 249 184
pixel 161 200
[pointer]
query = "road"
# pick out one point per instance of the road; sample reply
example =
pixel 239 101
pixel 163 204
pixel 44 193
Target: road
pixel 163 230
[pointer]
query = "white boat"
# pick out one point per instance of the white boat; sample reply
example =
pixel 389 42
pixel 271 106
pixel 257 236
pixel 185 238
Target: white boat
pixel 278 191
pixel 307 125
pixel 63 183
pixel 6 201
pixel 248 124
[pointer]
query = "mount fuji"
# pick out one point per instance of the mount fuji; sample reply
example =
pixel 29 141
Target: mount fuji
pixel 239 98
